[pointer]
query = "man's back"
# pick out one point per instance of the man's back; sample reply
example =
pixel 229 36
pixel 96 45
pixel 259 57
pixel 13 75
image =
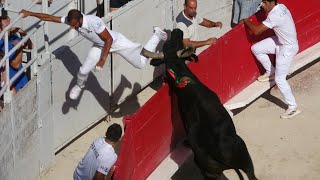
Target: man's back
pixel 91 27
pixel 280 20
pixel 100 157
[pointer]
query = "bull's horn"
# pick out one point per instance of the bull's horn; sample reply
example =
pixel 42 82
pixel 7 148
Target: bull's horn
pixel 152 55
pixel 186 52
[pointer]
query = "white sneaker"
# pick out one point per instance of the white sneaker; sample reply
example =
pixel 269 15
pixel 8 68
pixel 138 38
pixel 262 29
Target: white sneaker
pixel 290 113
pixel 75 92
pixel 266 77
pixel 160 33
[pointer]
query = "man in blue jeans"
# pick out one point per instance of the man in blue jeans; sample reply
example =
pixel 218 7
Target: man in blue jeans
pixel 242 9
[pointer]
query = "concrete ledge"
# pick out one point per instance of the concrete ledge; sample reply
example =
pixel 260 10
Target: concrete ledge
pixel 257 88
pixel 171 163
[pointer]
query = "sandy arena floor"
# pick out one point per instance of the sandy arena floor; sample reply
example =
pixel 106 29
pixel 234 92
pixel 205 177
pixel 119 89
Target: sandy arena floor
pixel 280 149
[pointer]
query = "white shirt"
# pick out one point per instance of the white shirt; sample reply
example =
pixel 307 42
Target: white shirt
pixel 91 27
pixel 100 157
pixel 189 26
pixel 280 20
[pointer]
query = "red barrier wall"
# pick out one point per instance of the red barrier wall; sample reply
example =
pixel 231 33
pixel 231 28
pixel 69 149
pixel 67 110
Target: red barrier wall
pixel 226 68
pixel 150 135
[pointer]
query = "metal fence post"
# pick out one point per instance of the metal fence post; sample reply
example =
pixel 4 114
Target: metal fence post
pixel 34 67
pixel 47 54
pixel 7 95
pixel 106 7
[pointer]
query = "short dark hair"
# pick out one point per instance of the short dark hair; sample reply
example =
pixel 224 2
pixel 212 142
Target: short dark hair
pixel 275 1
pixel 74 14
pixel 187 1
pixel 3 18
pixel 114 132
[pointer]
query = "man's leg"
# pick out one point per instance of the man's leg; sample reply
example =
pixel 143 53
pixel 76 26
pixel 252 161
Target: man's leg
pixel 236 12
pixel 131 51
pixel 100 8
pixel 261 51
pixel 83 73
pixel 151 45
pixel 285 56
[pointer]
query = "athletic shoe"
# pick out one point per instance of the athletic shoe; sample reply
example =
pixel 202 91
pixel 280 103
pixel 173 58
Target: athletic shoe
pixel 290 113
pixel 75 92
pixel 160 33
pixel 266 77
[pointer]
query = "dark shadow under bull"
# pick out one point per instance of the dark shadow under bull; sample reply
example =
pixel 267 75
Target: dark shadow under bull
pixel 210 129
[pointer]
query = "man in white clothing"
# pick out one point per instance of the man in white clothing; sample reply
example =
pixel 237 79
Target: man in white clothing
pixel 104 41
pixel 284 45
pixel 100 158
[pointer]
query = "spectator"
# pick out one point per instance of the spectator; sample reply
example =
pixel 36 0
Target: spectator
pixel 188 22
pixel 114 5
pixel 15 60
pixel 104 41
pixel 243 9
pixel 100 8
pixel 284 45
pixel 100 158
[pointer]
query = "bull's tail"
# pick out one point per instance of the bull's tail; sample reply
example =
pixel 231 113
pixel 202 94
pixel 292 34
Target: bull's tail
pixel 239 174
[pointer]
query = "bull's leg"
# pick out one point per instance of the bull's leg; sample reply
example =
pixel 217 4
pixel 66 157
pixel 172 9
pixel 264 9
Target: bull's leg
pixel 210 169
pixel 243 160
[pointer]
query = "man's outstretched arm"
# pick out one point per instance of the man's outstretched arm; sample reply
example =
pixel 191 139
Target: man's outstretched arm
pixel 107 38
pixel 42 16
pixel 197 44
pixel 207 23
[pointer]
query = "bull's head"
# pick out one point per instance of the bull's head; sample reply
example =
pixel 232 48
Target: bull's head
pixel 173 51
pixel 174 56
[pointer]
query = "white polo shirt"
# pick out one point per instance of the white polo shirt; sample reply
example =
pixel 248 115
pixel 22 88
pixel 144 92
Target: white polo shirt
pixel 189 26
pixel 100 157
pixel 280 20
pixel 91 27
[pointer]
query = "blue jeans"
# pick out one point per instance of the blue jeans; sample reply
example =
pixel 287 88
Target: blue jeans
pixel 243 9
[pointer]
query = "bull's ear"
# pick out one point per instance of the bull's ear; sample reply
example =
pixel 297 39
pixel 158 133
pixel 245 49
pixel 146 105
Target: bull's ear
pixel 156 62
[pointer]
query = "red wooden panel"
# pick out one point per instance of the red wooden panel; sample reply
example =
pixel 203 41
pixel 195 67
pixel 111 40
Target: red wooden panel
pixel 149 137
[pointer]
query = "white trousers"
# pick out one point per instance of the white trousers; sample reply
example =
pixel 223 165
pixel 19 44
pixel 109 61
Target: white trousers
pixel 129 50
pixel 284 56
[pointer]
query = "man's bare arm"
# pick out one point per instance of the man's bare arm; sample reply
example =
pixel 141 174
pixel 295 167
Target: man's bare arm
pixel 207 23
pixel 107 38
pixel 197 44
pixel 100 176
pixel 254 28
pixel 42 16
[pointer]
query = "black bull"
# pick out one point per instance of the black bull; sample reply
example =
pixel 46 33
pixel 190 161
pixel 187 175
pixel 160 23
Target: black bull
pixel 210 130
